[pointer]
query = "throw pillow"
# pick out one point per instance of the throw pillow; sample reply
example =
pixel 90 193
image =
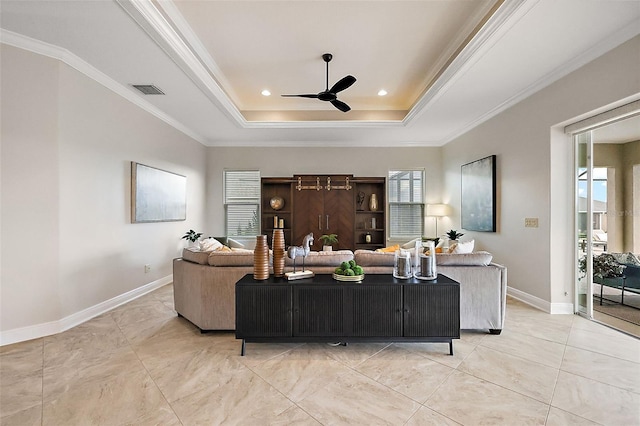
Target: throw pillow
pixel 464 247
pixel 390 249
pixel 210 244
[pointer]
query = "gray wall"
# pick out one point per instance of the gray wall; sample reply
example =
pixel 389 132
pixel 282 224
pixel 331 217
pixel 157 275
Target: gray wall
pixel 67 240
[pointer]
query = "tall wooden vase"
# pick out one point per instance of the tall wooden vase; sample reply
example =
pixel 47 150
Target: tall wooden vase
pixel 261 258
pixel 278 252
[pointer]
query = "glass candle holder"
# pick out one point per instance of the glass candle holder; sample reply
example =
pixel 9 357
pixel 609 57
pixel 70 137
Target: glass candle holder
pixel 402 264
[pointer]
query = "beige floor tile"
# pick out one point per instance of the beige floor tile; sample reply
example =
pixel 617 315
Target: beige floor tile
pixel 21 377
pixel 602 368
pixel 517 374
pixel 617 345
pixel 293 416
pixel 439 352
pixel 546 327
pixel 301 372
pixel 163 416
pixel 558 417
pixel 95 336
pixel 356 399
pixel 256 353
pixel 121 368
pixel 406 372
pixel 247 399
pixel 599 402
pixel 30 417
pixel 354 353
pixel 528 347
pixel 427 417
pixel 80 369
pixel 119 400
pixel 192 371
pixel 471 401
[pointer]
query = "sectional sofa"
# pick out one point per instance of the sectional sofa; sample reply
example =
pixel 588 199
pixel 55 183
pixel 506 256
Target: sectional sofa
pixel 204 283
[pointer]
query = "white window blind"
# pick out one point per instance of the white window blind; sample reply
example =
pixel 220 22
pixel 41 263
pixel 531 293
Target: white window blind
pixel 242 202
pixel 406 203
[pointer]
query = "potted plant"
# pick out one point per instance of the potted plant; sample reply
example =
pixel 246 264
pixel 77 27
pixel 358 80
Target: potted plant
pixel 328 240
pixel 453 235
pixel 604 266
pixel 191 236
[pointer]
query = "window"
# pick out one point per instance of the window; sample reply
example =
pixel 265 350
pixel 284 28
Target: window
pixel 241 202
pixel 406 203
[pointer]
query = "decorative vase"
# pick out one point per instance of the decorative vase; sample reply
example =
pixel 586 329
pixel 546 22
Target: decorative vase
pixel 261 258
pixel 278 252
pixel 373 203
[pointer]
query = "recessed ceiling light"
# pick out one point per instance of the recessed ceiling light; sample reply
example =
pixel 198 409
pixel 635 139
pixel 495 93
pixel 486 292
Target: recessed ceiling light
pixel 382 92
pixel 265 92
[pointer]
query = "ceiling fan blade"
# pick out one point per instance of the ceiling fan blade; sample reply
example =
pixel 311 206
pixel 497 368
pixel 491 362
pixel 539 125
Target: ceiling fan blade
pixel 301 96
pixel 342 84
pixel 341 105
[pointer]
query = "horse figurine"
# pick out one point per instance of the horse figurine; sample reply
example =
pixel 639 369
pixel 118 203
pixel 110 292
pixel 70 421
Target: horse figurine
pixel 302 251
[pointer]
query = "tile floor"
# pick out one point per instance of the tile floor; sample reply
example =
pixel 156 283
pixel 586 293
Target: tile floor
pixel 141 365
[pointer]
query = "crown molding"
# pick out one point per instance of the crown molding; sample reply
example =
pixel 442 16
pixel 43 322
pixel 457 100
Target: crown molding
pixel 492 31
pixel 616 39
pixel 324 144
pixel 63 55
pixel 166 26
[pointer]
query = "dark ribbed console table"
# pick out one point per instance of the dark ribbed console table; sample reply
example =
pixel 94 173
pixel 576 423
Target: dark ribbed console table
pixel 321 309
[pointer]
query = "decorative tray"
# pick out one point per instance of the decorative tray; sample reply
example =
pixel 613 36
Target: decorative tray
pixel 348 278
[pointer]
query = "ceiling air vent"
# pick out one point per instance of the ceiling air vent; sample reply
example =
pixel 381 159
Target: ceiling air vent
pixel 148 89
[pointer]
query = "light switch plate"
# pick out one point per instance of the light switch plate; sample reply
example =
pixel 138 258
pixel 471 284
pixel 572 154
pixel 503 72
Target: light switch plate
pixel 530 222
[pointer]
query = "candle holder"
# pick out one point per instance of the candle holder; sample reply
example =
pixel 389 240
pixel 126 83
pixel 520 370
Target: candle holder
pixel 425 263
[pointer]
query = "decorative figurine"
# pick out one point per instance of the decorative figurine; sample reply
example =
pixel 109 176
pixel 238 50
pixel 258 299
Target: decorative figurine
pixel 360 200
pixel 300 251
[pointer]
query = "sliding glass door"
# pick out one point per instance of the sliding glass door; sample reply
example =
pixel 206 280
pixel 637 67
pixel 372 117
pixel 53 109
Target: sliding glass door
pixel 584 223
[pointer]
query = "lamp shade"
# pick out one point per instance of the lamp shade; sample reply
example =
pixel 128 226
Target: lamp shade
pixel 438 210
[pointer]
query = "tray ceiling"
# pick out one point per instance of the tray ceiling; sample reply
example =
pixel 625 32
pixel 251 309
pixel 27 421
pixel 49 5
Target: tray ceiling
pixel 447 65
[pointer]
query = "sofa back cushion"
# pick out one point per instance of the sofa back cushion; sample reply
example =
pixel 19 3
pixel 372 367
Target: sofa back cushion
pixel 477 258
pixel 322 258
pixel 237 257
pixel 195 256
pixel 373 258
pixel 366 258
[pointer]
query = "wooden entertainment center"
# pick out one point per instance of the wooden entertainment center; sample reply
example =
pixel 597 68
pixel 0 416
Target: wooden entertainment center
pixel 326 204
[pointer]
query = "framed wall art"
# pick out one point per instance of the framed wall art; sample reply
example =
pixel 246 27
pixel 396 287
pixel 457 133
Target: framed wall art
pixel 157 195
pixel 478 195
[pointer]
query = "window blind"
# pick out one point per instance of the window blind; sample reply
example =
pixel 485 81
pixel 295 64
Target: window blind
pixel 242 202
pixel 406 203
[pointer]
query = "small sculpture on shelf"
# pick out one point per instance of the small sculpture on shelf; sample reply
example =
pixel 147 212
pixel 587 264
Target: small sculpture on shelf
pixel 276 203
pixel 360 200
pixel 300 251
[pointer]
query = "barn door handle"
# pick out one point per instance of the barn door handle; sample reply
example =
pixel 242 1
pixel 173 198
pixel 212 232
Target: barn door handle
pixel 327 222
pixel 319 222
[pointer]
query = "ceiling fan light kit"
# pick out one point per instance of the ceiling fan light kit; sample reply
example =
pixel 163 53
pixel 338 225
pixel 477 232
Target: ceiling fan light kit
pixel 330 95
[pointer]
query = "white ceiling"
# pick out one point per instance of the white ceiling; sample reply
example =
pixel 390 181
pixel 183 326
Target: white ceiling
pixel 448 65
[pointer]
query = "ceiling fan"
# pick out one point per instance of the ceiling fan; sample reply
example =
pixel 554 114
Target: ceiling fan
pixel 330 94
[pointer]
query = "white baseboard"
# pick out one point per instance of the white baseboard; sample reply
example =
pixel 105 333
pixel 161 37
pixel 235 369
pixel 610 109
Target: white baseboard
pixel 543 305
pixel 53 327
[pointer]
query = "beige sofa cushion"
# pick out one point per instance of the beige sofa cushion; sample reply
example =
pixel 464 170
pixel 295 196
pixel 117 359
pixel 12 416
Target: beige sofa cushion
pixel 323 258
pixel 366 258
pixel 196 256
pixel 478 258
pixel 236 257
pixel 372 258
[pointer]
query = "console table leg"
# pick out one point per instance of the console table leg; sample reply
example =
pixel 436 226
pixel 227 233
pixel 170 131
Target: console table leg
pixel 450 347
pixel 242 350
